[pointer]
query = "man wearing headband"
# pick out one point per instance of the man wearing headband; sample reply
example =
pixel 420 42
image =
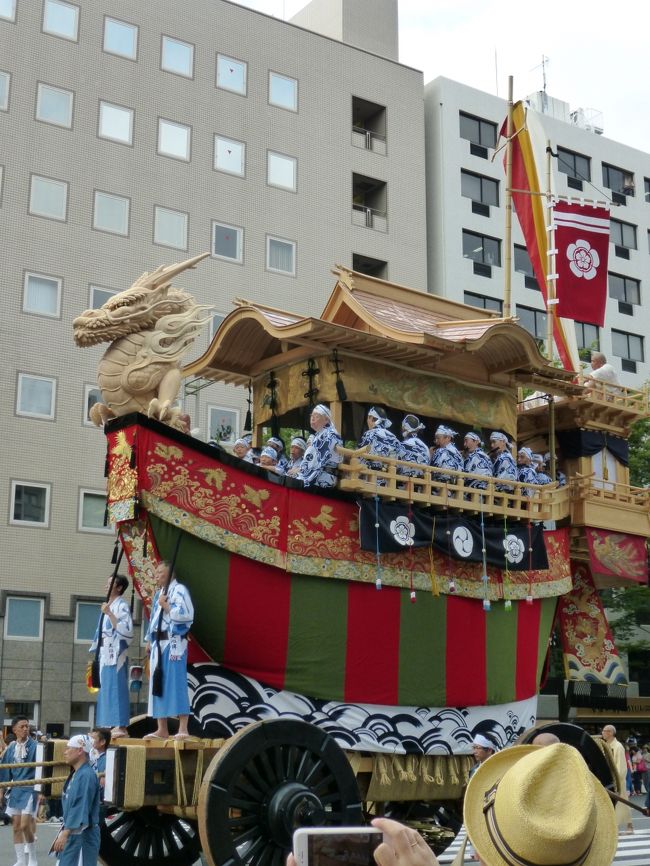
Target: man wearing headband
pixel 539 465
pixel 241 448
pixel 20 800
pixel 78 839
pixel 296 452
pixel 503 465
pixel 477 462
pixel 113 709
pixel 525 471
pixel 269 460
pixel 446 455
pixel 277 443
pixel 318 467
pixel 379 440
pixel 412 448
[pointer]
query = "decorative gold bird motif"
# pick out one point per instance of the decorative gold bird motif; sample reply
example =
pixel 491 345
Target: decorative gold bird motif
pixel 216 477
pixel 168 452
pixel 325 518
pixel 255 497
pixel 122 447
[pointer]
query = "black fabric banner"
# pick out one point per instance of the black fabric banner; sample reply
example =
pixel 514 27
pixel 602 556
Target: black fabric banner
pixel 586 443
pixel 458 536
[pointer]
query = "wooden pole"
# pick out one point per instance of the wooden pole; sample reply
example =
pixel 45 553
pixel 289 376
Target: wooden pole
pixel 507 240
pixel 550 264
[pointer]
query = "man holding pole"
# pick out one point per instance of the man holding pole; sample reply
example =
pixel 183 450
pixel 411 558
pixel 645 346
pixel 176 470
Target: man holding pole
pixel 20 800
pixel 172 614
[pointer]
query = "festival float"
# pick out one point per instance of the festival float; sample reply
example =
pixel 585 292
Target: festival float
pixel 349 643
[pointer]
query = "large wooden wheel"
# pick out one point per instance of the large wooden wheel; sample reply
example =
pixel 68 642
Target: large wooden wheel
pixel 147 837
pixel 268 780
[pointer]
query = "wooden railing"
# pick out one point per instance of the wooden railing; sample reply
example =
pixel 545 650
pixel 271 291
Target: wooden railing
pixel 548 501
pixel 628 399
pixel 609 492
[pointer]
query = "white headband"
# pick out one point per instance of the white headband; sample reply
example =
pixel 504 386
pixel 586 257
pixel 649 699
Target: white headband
pixel 300 443
pixel 322 410
pixel 445 431
pixel 474 436
pixel 80 741
pixel 483 742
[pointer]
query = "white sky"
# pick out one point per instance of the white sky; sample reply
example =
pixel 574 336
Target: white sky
pixel 598 52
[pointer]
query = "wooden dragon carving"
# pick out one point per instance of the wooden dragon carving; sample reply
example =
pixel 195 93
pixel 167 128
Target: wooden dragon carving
pixel 149 327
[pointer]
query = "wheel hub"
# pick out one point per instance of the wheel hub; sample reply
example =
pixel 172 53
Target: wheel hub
pixel 293 805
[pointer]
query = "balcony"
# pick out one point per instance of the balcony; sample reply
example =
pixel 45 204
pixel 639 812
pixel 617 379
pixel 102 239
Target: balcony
pixel 369 198
pixel 369 218
pixel 548 502
pixel 369 140
pixel 368 125
pixel 609 505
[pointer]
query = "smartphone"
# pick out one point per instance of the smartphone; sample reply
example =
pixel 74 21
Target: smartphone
pixel 333 846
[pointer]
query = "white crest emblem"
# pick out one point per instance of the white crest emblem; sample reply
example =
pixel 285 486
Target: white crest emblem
pixel 462 541
pixel 583 260
pixel 514 548
pixel 403 530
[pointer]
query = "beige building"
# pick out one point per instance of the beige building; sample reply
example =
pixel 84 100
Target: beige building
pixel 135 136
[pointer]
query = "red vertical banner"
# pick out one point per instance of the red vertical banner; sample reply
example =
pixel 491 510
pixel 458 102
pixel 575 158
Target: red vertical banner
pixel 528 620
pixel 466 663
pixel 372 654
pixel 582 244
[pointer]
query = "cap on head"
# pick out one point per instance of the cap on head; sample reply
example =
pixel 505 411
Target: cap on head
pixel 80 741
pixel 269 451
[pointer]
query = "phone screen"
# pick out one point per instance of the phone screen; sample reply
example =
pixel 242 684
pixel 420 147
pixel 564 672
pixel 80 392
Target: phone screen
pixel 341 848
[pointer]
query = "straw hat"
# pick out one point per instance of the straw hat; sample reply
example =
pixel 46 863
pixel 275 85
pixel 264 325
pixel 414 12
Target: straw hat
pixel 539 806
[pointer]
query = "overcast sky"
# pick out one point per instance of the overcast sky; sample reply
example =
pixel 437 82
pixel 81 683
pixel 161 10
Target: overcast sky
pixel 598 52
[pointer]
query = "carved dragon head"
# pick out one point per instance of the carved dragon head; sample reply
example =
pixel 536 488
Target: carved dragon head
pixel 138 308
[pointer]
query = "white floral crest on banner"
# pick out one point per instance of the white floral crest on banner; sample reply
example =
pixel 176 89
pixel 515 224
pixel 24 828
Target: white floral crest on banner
pixel 514 548
pixel 583 260
pixel 403 530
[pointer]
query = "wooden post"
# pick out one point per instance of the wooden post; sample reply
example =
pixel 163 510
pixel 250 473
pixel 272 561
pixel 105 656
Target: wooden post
pixel 507 238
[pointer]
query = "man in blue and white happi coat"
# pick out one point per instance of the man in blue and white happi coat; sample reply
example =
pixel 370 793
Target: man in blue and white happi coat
pixel 318 467
pixel 20 800
pixel 539 465
pixel 172 614
pixel 78 841
pixel 525 470
pixel 278 445
pixel 379 439
pixel 412 448
pixel 446 455
pixel 503 465
pixel 116 625
pixel 477 462
pixel 297 452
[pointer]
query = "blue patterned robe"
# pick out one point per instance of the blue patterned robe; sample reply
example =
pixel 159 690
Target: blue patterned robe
pixel 113 699
pixel 172 652
pixel 527 475
pixel 504 466
pixel 560 477
pixel 81 817
pixel 479 464
pixel 543 478
pixel 413 449
pixel 447 457
pixel 19 799
pixel 380 441
pixel 318 467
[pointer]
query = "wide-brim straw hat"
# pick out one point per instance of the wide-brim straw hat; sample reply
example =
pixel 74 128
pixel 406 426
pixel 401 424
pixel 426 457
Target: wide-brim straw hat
pixel 539 806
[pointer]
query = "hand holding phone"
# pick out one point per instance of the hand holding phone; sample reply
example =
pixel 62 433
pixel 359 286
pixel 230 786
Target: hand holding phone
pixel 336 846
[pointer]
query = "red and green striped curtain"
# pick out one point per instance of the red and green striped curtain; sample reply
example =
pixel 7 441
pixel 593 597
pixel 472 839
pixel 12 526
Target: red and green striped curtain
pixel 345 641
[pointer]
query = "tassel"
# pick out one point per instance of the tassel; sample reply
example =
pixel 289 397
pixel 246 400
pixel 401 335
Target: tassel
pixel 425 767
pixel 248 423
pixel 341 393
pixel 438 774
pixel 411 767
pixel 381 763
pixel 106 465
pixel 508 604
pixel 132 460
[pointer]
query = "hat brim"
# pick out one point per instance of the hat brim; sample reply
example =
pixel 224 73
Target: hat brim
pixel 603 848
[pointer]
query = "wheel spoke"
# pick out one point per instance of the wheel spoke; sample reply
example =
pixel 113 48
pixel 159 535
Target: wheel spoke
pixel 242 785
pixel 305 762
pixel 251 852
pixel 317 766
pixel 244 805
pixel 244 821
pixel 247 836
pixel 267 769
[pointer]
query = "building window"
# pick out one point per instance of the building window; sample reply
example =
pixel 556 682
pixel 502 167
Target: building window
pixel 48 197
pixel 283 91
pixel 30 504
pixel 5 82
pixel 92 395
pixel 223 425
pixel 481 248
pixel 368 265
pixel 111 213
pixel 523 265
pixel 576 166
pixel 115 123
pixel 280 256
pixel 36 396
pixel 623 234
pixel 61 19
pixel 534 321
pixel 625 289
pixel 170 228
pixel 629 347
pixel 92 509
pixel 227 242
pixel 99 295
pixel 86 621
pixel 229 155
pixel 481 190
pixel 646 189
pixel 215 322
pixel 588 337
pixel 120 38
pixel 42 295
pixel 177 56
pixel 484 302
pixel 231 74
pixel 619 180
pixel 174 139
pixel 369 202
pixel 54 105
pixel 24 618
pixel 8 10
pixel 368 125
pixel 281 170
pixel 22 708
pixel 481 134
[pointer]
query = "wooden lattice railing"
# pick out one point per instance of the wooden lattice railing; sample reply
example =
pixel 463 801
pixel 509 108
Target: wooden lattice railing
pixel 548 501
pixel 609 492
